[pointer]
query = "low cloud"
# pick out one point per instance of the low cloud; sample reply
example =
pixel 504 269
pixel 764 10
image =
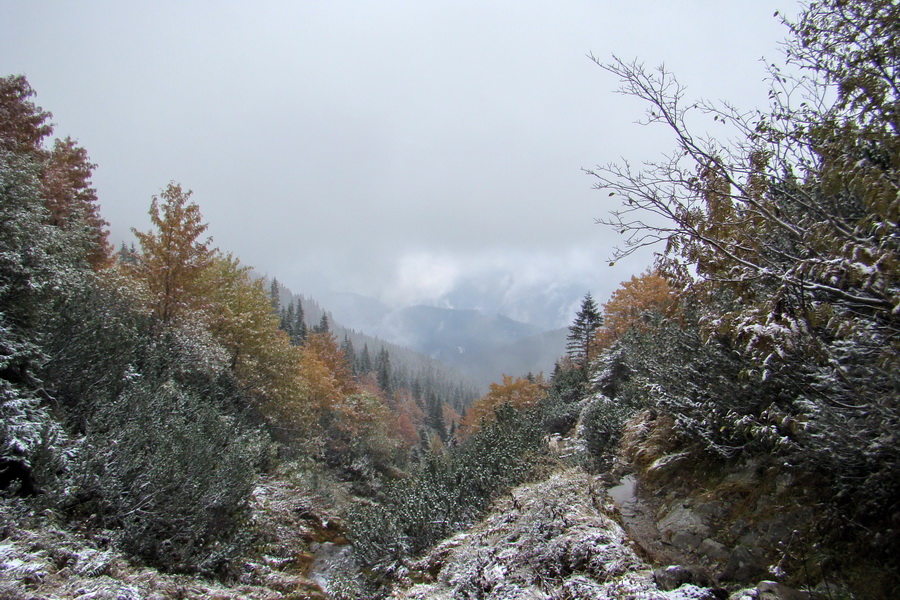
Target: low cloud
pixel 535 286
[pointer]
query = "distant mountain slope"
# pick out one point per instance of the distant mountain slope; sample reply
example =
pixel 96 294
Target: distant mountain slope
pixel 479 347
pixel 453 385
pixel 443 331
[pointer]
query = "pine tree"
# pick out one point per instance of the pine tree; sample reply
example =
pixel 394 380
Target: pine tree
pixel 365 361
pixel 324 325
pixel 383 372
pixel 582 332
pixel 434 416
pixel 299 331
pixel 275 296
pixel 350 353
pixel 287 319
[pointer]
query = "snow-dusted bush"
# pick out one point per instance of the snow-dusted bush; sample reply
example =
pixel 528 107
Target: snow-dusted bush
pixel 449 491
pixel 562 406
pixel 170 471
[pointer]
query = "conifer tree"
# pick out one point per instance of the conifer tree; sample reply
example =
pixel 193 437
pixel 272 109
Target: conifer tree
pixel 287 319
pixel 275 295
pixel 350 353
pixel 383 372
pixel 299 333
pixel 365 361
pixel 324 325
pixel 582 331
pixel 435 416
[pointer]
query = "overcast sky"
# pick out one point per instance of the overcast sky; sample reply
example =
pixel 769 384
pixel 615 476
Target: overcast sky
pixel 396 149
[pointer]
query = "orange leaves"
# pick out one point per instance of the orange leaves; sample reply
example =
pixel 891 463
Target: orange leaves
pixel 173 257
pixel 631 304
pixel 322 388
pixel 519 392
pixel 325 348
pixel 72 200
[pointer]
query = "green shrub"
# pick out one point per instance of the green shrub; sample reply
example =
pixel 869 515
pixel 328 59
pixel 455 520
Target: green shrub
pixel 449 491
pixel 170 471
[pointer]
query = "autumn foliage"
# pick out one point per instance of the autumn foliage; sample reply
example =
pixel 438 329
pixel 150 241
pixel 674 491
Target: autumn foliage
pixel 632 305
pixel 518 392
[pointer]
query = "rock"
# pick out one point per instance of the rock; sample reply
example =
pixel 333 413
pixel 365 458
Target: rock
pixel 671 577
pixel 750 538
pixel 743 565
pixel 783 482
pixel 557 544
pixel 713 550
pixel 666 463
pixel 686 540
pixel 711 510
pixel 683 528
pixel 738 527
pixel 772 590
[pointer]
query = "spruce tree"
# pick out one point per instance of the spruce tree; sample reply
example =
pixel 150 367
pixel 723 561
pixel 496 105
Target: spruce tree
pixel 275 295
pixel 365 360
pixel 582 331
pixel 287 320
pixel 299 332
pixel 324 326
pixel 350 353
pixel 383 372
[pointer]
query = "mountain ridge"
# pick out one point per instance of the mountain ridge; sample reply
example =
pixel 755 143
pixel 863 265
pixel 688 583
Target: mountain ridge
pixel 483 346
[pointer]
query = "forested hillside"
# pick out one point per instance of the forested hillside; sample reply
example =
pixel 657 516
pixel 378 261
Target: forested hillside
pixel 724 425
pixel 146 390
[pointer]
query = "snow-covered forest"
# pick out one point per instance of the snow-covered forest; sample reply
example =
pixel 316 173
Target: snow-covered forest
pixel 723 426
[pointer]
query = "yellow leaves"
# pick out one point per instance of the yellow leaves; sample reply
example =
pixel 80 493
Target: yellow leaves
pixel 322 388
pixel 268 368
pixel 325 348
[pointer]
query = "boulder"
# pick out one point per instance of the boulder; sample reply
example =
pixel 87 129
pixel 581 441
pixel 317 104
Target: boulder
pixel 743 565
pixel 772 590
pixel 713 550
pixel 683 528
pixel 672 577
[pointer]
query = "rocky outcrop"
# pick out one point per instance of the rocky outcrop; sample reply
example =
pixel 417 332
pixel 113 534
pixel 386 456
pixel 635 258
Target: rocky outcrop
pixel 552 539
pixel 726 523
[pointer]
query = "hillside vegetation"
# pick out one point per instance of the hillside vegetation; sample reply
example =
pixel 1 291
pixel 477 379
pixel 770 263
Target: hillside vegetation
pixel 171 428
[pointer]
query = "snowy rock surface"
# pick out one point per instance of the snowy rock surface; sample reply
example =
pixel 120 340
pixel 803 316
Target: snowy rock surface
pixel 547 540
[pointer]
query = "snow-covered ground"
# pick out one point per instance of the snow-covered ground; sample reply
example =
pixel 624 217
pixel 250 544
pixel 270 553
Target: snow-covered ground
pixel 40 559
